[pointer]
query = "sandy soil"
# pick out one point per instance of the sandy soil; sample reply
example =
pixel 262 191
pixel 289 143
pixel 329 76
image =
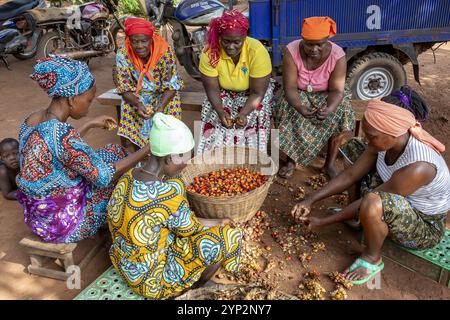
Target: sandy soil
pixel 20 96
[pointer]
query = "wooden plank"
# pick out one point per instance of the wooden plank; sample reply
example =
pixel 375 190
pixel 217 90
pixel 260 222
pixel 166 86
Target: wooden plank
pixel 190 101
pixel 34 242
pixel 49 273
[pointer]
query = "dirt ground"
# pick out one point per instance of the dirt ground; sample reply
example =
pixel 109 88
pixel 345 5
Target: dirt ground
pixel 20 96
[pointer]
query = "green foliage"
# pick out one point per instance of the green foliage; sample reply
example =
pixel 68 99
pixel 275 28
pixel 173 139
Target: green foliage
pixel 126 7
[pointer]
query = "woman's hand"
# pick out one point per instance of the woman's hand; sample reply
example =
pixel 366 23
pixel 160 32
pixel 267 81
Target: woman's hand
pixel 145 112
pixel 103 122
pixel 301 210
pixel 241 121
pixel 226 120
pixel 306 111
pixel 313 224
pixel 324 112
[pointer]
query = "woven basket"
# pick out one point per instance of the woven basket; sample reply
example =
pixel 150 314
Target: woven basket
pixel 239 208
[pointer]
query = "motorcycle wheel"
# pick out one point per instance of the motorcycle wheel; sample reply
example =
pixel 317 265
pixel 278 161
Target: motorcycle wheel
pixel 48 40
pixel 29 53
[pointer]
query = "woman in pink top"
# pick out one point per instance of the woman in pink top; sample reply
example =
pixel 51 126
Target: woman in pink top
pixel 315 107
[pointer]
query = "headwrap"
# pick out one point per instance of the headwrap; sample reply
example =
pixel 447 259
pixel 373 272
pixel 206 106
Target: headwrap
pixel 158 47
pixel 395 121
pixel 169 135
pixel 231 21
pixel 63 77
pixel 139 26
pixel 318 28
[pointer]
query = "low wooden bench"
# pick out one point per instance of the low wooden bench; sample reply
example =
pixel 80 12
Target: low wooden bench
pixel 192 101
pixel 42 252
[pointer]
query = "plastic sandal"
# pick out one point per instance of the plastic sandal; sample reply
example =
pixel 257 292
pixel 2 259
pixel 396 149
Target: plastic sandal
pixel 373 268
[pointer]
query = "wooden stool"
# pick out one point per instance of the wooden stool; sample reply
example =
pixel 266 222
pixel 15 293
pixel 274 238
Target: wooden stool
pixel 41 252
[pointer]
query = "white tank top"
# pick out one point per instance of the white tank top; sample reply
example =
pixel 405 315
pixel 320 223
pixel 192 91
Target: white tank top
pixel 433 198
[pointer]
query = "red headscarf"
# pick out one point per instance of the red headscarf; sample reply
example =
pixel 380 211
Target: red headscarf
pixel 158 47
pixel 139 26
pixel 231 21
pixel 395 121
pixel 318 28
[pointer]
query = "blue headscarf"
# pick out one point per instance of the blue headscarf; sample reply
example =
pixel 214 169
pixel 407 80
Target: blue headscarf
pixel 63 77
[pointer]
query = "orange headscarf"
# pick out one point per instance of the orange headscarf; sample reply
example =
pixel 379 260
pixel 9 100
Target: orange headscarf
pixel 158 47
pixel 395 121
pixel 318 28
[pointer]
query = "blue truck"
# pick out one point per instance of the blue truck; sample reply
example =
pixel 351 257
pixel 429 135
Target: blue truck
pixel 379 36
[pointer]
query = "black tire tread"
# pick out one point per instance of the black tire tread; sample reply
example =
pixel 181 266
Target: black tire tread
pixel 360 62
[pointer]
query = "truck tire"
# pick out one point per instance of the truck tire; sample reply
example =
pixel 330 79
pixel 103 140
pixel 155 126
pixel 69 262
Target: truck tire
pixel 375 75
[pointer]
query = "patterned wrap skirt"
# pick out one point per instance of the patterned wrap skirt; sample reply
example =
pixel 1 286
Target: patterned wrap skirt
pixel 254 135
pixel 408 226
pixel 302 139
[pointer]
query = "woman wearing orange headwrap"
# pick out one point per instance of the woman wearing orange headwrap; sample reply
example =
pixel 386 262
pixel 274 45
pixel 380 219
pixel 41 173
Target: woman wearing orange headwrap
pixel 404 183
pixel 315 107
pixel 146 76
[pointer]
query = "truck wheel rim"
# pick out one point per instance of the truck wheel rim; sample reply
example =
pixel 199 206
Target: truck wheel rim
pixel 375 83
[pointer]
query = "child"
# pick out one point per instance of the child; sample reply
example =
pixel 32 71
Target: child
pixel 159 246
pixel 9 167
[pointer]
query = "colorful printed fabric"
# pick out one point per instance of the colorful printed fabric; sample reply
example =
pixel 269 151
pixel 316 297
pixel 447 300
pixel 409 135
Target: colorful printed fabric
pixel 126 76
pixel 408 226
pixel 55 161
pixel 254 135
pixel 53 219
pixel 63 77
pixel 302 139
pixel 159 246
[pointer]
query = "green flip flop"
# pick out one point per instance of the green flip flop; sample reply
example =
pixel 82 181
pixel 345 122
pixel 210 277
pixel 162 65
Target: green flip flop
pixel 373 268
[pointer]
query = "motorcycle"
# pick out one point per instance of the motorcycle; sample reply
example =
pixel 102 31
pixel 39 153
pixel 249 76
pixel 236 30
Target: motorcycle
pixel 18 33
pixel 186 25
pixel 77 32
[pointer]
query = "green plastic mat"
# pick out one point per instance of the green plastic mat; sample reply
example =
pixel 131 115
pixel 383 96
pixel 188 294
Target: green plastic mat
pixel 109 286
pixel 439 255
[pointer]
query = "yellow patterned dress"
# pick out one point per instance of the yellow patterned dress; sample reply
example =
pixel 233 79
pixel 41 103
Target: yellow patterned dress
pixel 125 76
pixel 159 246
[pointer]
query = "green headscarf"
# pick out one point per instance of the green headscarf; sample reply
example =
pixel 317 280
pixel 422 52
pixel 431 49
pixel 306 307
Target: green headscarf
pixel 169 135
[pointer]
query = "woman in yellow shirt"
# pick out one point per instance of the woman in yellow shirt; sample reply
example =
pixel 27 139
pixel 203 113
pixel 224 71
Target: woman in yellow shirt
pixel 236 73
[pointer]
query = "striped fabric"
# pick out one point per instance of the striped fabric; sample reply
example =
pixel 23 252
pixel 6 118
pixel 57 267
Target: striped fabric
pixel 433 198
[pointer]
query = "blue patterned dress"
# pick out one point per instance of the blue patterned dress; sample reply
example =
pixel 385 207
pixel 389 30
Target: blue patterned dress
pixel 65 184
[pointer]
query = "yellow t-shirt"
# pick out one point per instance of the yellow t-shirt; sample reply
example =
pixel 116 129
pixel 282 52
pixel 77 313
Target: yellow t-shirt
pixel 254 62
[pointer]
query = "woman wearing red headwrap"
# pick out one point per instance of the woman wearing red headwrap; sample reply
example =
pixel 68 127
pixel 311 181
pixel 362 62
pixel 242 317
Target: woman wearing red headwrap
pixel 315 108
pixel 404 183
pixel 146 76
pixel 236 75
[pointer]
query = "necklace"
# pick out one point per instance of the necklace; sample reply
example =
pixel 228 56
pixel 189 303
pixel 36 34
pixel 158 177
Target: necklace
pixel 309 87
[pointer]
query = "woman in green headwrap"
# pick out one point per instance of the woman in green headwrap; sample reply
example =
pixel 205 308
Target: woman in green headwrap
pixel 159 246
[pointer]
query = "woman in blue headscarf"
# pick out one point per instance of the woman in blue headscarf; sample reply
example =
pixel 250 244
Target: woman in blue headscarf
pixel 64 185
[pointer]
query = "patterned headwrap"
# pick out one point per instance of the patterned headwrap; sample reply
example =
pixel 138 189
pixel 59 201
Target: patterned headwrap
pixel 231 21
pixel 63 77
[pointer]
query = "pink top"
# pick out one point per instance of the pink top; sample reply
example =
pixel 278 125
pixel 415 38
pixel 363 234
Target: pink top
pixel 320 76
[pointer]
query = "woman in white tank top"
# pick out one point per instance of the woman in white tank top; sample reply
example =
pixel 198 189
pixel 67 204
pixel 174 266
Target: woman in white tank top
pixel 404 183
